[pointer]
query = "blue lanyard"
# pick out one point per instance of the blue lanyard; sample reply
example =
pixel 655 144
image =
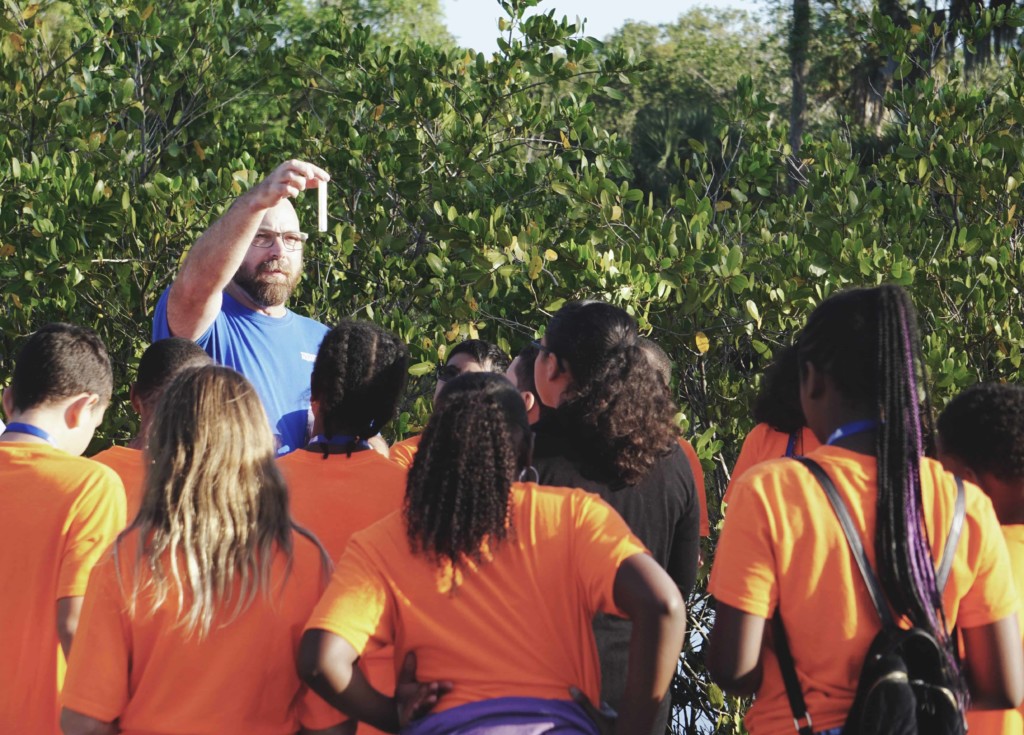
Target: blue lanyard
pixel 791 444
pixel 338 441
pixel 19 428
pixel 854 427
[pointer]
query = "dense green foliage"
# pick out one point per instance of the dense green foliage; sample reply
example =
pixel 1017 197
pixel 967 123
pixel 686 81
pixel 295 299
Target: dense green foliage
pixel 474 195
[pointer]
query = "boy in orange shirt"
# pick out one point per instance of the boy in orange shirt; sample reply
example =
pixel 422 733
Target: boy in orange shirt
pixel 161 361
pixel 981 438
pixel 58 513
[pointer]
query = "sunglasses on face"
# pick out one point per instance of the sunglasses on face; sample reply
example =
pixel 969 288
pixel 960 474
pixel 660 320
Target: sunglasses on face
pixel 448 372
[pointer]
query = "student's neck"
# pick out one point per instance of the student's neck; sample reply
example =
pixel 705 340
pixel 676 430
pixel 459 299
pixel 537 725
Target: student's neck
pixel 41 418
pixel 238 294
pixel 862 442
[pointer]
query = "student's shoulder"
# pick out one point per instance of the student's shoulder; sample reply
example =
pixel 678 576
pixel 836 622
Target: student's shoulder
pixel 79 474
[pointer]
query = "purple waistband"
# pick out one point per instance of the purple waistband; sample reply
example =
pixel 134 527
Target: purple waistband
pixel 507 716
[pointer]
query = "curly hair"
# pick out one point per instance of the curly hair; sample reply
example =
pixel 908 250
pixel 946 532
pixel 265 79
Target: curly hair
pixel 620 413
pixel 474 447
pixel 984 428
pixel 778 402
pixel 358 379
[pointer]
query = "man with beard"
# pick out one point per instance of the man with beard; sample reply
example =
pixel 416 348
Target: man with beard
pixel 230 294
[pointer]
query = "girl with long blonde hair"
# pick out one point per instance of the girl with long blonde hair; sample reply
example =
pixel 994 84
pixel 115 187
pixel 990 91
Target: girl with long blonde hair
pixel 191 623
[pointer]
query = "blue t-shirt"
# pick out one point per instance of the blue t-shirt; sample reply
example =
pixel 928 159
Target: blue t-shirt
pixel 276 354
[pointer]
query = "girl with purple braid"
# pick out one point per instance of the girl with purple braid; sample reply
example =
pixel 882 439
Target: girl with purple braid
pixel 782 549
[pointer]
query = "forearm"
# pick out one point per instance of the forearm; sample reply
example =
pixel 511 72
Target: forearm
pixel 653 656
pixel 345 688
pixel 75 723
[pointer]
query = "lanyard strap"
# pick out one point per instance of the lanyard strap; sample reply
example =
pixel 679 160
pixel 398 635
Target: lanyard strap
pixel 854 427
pixel 22 428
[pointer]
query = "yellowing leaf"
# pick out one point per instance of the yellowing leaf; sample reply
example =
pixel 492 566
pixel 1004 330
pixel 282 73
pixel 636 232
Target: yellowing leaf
pixel 452 333
pixel 565 140
pixel 146 13
pixel 616 213
pixel 550 255
pixel 16 299
pixel 473 305
pixel 722 205
pixel 6 250
pixel 536 266
pixel 30 11
pixel 703 343
pixel 199 150
pixel 378 111
pixel 17 41
pixel 473 333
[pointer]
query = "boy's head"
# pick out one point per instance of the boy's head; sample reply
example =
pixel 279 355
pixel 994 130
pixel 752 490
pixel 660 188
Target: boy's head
pixel 660 362
pixel 981 438
pixel 471 356
pixel 62 377
pixel 159 364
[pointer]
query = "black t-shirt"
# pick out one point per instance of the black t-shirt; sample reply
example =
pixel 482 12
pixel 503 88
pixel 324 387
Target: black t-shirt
pixel 661 509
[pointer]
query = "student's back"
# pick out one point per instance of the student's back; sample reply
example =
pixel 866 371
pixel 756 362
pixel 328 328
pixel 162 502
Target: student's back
pixel 151 674
pixel 58 514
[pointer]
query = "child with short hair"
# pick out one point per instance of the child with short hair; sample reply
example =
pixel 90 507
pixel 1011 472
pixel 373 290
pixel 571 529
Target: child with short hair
pixel 58 514
pixel 981 439
pixel 159 364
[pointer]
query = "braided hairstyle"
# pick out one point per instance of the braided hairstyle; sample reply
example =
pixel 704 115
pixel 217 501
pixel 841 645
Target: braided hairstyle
pixel 474 447
pixel 778 402
pixel 358 379
pixel 620 413
pixel 866 341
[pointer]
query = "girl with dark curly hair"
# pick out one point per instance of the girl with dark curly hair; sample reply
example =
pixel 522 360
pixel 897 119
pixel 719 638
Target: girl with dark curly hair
pixel 492 583
pixel 612 433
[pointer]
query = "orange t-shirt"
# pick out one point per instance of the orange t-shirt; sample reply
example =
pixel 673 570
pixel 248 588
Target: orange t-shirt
pixel 518 625
pixel 781 545
pixel 1010 721
pixel 58 514
pixel 698 484
pixel 130 467
pixel 402 452
pixel 334 498
pixel 764 443
pixel 147 673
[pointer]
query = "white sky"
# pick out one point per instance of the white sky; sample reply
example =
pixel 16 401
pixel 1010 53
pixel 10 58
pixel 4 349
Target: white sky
pixel 474 23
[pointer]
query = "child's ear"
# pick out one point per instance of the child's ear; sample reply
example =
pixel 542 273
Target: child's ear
pixel 80 412
pixel 529 399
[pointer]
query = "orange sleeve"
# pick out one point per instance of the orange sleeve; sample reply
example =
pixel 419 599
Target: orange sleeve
pixel 601 542
pixel 98 670
pixel 356 604
pixel 993 595
pixel 743 573
pixel 403 452
pixel 96 517
pixel 698 483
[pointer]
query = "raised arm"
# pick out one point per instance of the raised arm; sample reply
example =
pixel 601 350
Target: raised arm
pixel 195 296
pixel 652 601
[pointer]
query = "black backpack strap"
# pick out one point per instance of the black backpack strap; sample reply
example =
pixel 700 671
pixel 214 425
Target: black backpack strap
pixel 853 539
pixel 796 697
pixel 955 528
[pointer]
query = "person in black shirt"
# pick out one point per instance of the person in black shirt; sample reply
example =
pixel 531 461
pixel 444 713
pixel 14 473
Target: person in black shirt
pixel 612 433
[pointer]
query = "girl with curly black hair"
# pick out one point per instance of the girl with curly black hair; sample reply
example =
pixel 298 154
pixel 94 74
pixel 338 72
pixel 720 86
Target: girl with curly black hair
pixel 492 583
pixel 612 432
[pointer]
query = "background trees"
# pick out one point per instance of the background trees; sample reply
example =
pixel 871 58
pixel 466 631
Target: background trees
pixel 474 195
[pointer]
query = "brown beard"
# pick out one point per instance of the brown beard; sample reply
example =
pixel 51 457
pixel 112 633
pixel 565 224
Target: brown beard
pixel 267 293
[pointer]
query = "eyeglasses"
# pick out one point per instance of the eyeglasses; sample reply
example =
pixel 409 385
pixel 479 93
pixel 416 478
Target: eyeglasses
pixel 291 241
pixel 448 372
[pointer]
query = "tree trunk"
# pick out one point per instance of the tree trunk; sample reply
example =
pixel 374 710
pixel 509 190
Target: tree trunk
pixel 799 36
